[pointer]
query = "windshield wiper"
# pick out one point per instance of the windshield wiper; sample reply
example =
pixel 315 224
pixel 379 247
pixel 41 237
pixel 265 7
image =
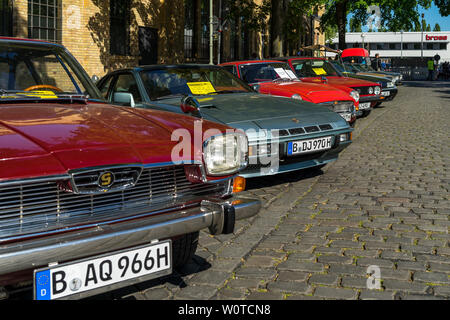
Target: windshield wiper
pixel 283 79
pixel 226 91
pixel 169 96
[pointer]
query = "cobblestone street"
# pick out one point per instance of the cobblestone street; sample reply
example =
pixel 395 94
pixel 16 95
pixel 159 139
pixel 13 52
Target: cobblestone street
pixel 384 203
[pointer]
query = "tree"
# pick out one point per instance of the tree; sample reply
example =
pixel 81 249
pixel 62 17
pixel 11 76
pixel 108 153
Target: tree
pixel 444 7
pixel 437 27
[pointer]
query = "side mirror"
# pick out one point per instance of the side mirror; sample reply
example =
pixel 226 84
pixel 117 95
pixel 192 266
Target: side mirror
pixel 95 78
pixel 190 105
pixel 124 98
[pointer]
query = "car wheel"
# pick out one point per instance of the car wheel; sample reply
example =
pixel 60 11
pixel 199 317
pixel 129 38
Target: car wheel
pixel 184 249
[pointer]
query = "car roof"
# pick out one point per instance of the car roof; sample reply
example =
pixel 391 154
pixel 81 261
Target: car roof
pixel 25 40
pixel 249 62
pixel 299 58
pixel 163 67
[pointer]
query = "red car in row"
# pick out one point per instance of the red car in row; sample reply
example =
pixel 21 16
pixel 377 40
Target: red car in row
pixel 276 78
pixel 311 79
pixel 319 70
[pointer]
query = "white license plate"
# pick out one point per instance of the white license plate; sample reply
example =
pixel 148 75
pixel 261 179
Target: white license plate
pixel 364 105
pixel 59 281
pixel 385 93
pixel 310 145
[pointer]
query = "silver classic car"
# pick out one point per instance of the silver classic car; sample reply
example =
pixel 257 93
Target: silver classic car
pixel 284 134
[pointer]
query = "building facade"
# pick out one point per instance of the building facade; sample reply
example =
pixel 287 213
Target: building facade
pixel 105 35
pixel 102 34
pixel 396 45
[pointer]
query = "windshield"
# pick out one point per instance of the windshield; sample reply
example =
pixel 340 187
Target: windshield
pixel 314 68
pixel 41 71
pixel 362 67
pixel 349 67
pixel 190 81
pixel 268 71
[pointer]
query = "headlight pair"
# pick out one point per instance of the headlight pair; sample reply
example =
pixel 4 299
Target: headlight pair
pixel 225 154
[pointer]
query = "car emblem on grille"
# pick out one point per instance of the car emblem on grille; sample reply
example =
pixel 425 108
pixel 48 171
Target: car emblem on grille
pixel 103 179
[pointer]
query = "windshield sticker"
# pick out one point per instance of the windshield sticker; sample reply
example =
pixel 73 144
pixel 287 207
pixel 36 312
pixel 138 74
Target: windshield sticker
pixel 201 87
pixel 282 73
pixel 291 74
pixel 319 71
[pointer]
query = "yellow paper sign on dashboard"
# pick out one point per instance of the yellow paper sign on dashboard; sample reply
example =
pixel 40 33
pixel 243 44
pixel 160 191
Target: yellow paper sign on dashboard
pixel 201 87
pixel 319 71
pixel 40 94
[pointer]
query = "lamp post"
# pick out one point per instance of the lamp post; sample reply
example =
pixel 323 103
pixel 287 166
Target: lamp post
pixel 421 45
pixel 401 43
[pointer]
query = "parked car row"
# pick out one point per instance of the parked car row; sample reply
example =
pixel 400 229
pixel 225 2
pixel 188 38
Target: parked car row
pixel 108 184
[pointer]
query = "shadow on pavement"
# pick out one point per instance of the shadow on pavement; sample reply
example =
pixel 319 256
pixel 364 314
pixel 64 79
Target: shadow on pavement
pixel 294 176
pixel 196 265
pixel 426 84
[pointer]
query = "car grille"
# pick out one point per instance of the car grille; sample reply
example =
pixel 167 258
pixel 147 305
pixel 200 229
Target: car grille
pixel 362 90
pixel 303 130
pixel 42 207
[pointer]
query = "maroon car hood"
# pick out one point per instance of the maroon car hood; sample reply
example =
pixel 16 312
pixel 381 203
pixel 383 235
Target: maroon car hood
pixel 44 139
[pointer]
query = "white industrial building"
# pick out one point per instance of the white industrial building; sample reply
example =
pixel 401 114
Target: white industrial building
pixel 401 44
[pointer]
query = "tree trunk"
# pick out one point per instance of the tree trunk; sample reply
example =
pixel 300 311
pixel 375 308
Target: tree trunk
pixel 341 21
pixel 276 30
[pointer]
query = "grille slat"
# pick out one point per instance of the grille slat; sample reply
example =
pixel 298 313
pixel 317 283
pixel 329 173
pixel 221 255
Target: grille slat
pixel 40 207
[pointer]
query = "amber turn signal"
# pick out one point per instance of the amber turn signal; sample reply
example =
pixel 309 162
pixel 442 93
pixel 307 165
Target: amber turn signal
pixel 238 184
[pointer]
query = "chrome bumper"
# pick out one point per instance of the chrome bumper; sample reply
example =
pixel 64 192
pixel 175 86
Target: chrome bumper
pixel 216 214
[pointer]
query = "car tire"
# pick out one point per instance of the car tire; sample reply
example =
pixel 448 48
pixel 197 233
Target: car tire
pixel 184 249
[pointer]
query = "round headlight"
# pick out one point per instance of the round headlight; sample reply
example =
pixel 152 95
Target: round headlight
pixel 225 154
pixel 355 95
pixel 296 97
pixel 370 90
pixel 377 90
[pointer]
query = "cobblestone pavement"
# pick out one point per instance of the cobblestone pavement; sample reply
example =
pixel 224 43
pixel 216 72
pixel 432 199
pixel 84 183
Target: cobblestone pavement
pixel 384 203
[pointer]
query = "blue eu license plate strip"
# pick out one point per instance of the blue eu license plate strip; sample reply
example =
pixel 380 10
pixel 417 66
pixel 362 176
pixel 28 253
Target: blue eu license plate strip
pixel 90 275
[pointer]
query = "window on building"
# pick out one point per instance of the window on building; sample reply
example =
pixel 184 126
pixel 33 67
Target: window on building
pixel 6 11
pixel 417 46
pixel 119 27
pixel 44 20
pixel 442 46
pixel 189 21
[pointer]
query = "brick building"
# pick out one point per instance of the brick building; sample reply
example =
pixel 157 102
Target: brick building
pixel 102 34
pixel 108 34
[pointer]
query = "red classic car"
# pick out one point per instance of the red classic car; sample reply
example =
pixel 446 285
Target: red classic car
pixel 276 78
pixel 91 198
pixel 319 70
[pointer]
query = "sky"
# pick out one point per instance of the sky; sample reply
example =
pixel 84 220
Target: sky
pixel 432 17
